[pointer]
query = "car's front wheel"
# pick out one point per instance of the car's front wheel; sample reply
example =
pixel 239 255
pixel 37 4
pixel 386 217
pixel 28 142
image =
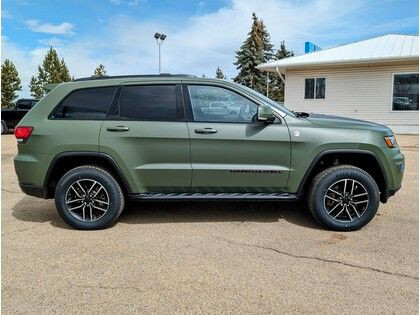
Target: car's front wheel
pixel 89 198
pixel 343 198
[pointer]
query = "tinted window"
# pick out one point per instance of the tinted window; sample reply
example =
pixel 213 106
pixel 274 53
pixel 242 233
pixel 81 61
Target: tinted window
pixel 86 104
pixel 320 88
pixel 24 105
pixel 309 88
pixel 148 102
pixel 315 88
pixel 406 92
pixel 211 103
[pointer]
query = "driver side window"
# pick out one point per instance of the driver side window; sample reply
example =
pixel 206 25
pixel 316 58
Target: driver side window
pixel 216 104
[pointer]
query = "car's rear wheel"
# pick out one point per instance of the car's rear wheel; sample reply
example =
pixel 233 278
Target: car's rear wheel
pixel 89 198
pixel 4 128
pixel 343 198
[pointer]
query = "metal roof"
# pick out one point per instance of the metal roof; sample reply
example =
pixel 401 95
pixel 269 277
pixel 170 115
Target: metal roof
pixel 385 48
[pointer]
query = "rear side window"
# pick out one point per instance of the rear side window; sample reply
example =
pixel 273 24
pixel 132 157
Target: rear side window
pixel 86 104
pixel 148 102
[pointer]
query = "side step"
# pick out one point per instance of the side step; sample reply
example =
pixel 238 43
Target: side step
pixel 215 196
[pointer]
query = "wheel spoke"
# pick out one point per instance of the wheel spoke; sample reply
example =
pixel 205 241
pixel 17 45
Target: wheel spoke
pixel 104 210
pixel 359 195
pixel 77 207
pixel 97 192
pixel 352 187
pixel 355 210
pixel 345 186
pixel 335 192
pixel 336 200
pixel 97 200
pixel 339 212
pixel 333 208
pixel 84 214
pixel 93 185
pixel 91 214
pixel 359 202
pixel 74 189
pixel 81 187
pixel 74 200
pixel 348 213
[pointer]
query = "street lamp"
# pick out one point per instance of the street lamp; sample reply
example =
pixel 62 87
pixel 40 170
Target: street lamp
pixel 159 40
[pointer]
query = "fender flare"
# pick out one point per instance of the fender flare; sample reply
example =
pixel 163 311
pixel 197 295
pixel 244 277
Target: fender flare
pixel 332 151
pixel 105 156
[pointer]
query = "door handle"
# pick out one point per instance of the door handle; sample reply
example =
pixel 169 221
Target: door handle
pixel 118 129
pixel 205 130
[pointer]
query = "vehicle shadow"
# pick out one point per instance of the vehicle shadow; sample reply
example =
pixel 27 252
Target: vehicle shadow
pixel 181 212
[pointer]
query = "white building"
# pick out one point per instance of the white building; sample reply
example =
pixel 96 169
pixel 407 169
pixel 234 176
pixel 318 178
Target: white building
pixel 375 79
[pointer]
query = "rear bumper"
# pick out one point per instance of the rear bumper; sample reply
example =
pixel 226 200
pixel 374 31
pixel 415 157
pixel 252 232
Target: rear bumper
pixel 35 191
pixel 389 193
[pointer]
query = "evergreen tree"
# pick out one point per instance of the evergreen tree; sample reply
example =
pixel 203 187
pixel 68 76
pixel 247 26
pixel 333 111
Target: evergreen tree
pixel 53 70
pixel 255 49
pixel 276 84
pixel 99 71
pixel 220 74
pixel 10 83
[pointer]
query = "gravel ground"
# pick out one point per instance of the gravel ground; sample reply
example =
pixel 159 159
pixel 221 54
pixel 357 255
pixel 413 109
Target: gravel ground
pixel 208 257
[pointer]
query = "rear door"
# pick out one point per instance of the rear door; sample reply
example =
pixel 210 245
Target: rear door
pixel 230 151
pixel 146 134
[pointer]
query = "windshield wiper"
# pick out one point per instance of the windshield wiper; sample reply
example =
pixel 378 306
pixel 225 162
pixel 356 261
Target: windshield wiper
pixel 301 114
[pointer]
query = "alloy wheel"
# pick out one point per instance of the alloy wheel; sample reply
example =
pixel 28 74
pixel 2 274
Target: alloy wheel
pixel 87 200
pixel 346 200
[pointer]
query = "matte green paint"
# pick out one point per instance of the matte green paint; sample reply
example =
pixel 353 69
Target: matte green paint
pixel 171 157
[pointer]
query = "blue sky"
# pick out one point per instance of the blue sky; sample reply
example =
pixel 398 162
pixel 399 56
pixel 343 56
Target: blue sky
pixel 202 35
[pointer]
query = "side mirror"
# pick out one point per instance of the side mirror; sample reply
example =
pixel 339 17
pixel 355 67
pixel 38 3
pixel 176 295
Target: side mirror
pixel 265 114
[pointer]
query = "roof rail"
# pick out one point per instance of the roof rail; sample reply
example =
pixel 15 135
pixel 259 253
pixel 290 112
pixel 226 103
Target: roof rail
pixel 134 76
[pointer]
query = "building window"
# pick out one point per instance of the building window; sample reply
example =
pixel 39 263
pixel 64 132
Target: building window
pixel 406 91
pixel 315 88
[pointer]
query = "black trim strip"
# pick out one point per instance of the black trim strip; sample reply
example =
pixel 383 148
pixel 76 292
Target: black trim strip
pixel 214 196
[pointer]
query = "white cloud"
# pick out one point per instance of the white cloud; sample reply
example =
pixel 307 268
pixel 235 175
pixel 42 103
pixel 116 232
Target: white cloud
pixel 37 26
pixel 53 41
pixel 6 14
pixel 127 2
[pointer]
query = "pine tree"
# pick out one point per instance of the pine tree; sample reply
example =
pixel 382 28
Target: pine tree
pixel 276 84
pixel 10 83
pixel 220 74
pixel 53 70
pixel 99 71
pixel 255 49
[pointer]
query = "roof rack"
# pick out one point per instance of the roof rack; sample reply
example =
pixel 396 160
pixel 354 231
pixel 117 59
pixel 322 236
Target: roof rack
pixel 134 76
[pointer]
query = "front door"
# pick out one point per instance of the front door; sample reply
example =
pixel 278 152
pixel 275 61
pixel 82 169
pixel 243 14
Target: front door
pixel 147 135
pixel 230 150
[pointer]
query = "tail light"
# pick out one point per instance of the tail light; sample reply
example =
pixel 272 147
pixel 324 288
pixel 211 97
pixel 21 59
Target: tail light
pixel 22 133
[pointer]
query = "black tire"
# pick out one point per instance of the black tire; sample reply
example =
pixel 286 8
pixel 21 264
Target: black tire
pixel 323 183
pixel 110 187
pixel 4 128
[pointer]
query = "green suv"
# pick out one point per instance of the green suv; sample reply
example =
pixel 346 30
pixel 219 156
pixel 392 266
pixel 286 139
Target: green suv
pixel 93 144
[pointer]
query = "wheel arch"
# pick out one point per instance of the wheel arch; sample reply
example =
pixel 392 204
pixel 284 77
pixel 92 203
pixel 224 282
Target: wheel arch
pixel 371 164
pixel 65 161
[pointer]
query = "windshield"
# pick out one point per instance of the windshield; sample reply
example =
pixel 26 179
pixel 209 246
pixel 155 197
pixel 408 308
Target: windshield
pixel 265 99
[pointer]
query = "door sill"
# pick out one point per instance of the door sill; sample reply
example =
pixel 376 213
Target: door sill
pixel 215 196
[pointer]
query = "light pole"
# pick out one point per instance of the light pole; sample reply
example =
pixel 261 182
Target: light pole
pixel 159 40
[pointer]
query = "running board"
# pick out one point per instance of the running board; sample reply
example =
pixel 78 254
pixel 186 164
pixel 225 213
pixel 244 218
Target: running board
pixel 215 196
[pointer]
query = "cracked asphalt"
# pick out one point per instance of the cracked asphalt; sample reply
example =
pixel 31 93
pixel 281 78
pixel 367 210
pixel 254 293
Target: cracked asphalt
pixel 208 257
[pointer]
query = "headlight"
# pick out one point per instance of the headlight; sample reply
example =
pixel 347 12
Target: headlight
pixel 390 141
